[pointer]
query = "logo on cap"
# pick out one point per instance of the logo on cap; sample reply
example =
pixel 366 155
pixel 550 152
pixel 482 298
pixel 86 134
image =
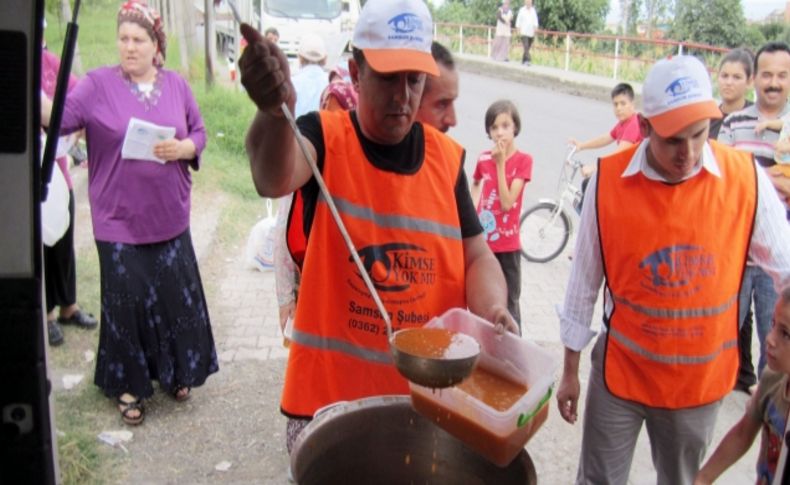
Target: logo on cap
pixel 405 23
pixel 681 86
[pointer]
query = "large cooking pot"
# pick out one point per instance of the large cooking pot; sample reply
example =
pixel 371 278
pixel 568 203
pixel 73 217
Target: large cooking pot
pixel 382 440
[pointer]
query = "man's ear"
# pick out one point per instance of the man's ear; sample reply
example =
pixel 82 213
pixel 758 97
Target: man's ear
pixel 644 125
pixel 353 73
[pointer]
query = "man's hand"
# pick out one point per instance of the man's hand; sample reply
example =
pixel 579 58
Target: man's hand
pixel 265 73
pixel 568 396
pixel 286 311
pixel 569 389
pixel 503 320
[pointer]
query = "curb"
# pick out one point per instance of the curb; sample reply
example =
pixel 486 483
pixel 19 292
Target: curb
pixel 568 82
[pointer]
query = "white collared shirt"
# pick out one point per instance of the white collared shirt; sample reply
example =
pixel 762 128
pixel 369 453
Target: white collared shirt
pixel 527 21
pixel 769 248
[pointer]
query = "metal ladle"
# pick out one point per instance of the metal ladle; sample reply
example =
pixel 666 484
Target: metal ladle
pixel 435 372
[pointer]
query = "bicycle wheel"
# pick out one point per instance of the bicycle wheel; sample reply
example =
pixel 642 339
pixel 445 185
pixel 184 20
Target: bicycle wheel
pixel 544 232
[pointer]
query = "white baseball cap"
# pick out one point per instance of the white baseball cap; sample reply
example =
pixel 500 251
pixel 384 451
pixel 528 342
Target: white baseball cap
pixel 312 47
pixel 677 93
pixel 396 35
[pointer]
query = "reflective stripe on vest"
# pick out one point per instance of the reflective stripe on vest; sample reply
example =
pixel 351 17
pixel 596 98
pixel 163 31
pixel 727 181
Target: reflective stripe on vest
pixel 670 359
pixel 673 260
pixel 400 222
pixel 318 342
pixel 677 313
pixel 406 230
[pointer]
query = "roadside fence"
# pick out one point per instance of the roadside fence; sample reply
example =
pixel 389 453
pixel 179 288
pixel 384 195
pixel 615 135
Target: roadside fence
pixel 619 57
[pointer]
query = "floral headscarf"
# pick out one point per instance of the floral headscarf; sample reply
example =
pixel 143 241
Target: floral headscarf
pixel 138 12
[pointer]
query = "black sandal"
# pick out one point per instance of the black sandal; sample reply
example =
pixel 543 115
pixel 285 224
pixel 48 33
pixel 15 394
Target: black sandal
pixel 180 395
pixel 125 407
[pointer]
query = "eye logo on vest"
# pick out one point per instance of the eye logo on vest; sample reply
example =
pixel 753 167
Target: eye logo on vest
pixel 396 267
pixel 677 271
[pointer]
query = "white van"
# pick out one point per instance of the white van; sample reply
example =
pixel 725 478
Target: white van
pixel 334 20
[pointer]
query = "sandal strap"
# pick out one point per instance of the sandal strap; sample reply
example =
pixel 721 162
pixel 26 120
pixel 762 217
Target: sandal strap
pixel 128 407
pixel 136 402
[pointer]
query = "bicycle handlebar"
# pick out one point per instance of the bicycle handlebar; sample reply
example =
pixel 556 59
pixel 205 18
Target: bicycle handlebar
pixel 572 149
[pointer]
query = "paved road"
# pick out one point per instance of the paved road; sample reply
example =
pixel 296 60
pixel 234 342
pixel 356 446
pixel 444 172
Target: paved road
pixel 549 117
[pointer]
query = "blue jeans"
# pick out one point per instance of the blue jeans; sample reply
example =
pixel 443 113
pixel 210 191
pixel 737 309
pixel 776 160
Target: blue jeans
pixel 758 287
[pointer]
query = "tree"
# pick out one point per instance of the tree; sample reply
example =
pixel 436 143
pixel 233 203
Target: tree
pixel 560 15
pixel 483 11
pixel 629 10
pixel 653 11
pixel 572 15
pixel 772 30
pixel 715 22
pixel 453 11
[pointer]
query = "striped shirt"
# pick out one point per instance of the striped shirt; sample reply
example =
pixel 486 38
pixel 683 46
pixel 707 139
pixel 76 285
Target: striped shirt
pixel 769 248
pixel 737 130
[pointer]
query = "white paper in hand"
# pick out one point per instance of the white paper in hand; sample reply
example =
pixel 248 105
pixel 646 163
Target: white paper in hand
pixel 141 136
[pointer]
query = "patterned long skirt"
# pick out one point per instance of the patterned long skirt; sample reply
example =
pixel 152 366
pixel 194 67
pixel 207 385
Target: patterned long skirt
pixel 154 320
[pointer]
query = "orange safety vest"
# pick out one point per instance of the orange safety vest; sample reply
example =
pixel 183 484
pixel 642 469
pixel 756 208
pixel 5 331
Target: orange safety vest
pixel 407 232
pixel 673 258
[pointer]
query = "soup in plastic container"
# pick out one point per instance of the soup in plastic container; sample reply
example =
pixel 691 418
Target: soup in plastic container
pixel 500 407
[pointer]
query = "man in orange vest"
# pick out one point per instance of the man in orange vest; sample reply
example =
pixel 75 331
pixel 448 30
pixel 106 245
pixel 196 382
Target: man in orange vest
pixel 403 196
pixel 670 228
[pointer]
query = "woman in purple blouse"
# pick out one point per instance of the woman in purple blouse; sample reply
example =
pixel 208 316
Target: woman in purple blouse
pixel 154 320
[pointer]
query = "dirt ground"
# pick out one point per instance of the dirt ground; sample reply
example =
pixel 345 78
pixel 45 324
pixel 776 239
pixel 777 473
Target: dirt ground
pixel 232 420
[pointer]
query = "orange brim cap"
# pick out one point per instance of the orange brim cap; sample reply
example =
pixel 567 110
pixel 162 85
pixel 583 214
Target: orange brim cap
pixel 399 60
pixel 676 120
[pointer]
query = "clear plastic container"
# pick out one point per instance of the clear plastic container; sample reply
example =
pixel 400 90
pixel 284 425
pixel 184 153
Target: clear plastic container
pixel 497 435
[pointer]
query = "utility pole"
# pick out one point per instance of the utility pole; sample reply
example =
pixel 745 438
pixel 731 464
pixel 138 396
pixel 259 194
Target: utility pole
pixel 208 29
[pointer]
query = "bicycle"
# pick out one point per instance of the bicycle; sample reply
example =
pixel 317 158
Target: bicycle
pixel 546 227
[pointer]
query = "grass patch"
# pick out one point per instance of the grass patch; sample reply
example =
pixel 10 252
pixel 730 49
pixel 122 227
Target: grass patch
pixel 227 114
pixel 96 36
pixel 80 416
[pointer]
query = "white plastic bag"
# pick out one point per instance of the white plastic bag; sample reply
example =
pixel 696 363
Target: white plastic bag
pixel 55 210
pixel 260 243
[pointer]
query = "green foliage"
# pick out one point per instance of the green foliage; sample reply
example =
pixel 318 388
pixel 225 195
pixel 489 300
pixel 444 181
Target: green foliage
pixel 559 15
pixel 572 15
pixel 753 37
pixel 98 33
pixel 634 13
pixel 227 115
pixel 772 30
pixel 453 11
pixel 484 11
pixel 714 22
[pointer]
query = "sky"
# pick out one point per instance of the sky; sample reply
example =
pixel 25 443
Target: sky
pixel 752 9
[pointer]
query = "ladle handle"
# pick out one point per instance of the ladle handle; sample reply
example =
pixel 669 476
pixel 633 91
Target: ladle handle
pixel 336 216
